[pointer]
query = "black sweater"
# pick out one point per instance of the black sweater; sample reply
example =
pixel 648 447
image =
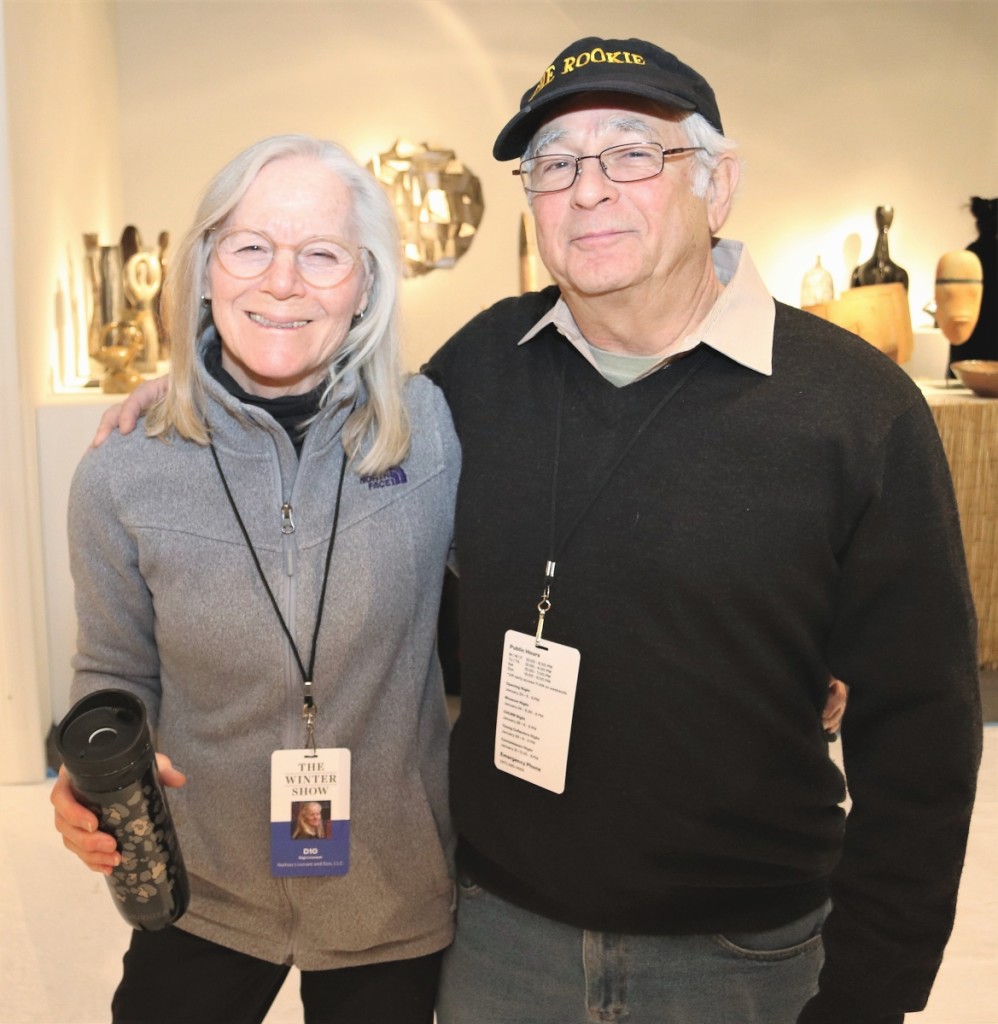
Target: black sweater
pixel 762 534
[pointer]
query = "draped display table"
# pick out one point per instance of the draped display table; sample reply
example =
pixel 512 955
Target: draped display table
pixel 968 426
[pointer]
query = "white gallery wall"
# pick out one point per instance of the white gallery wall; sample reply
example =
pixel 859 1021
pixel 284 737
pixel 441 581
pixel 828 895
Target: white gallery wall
pixel 61 172
pixel 839 106
pixel 118 111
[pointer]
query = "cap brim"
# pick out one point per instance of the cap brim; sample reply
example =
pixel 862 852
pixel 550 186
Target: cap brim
pixel 512 141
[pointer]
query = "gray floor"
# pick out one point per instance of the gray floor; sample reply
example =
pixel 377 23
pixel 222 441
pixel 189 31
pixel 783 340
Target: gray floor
pixel 63 940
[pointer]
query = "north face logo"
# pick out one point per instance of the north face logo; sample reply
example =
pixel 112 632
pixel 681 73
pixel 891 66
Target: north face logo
pixel 390 478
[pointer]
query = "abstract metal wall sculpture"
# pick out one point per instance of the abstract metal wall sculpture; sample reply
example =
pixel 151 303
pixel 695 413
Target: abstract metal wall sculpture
pixel 438 202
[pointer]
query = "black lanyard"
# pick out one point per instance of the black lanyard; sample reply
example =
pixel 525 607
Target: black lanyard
pixel 557 545
pixel 309 708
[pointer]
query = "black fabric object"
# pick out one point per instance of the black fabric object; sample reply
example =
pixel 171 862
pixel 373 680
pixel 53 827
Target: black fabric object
pixel 983 342
pixel 448 641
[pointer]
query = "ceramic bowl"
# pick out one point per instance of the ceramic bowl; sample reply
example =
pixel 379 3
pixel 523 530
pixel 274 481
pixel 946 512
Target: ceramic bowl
pixel 980 375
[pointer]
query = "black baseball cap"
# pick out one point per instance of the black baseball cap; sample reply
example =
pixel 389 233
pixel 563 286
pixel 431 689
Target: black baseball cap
pixel 630 66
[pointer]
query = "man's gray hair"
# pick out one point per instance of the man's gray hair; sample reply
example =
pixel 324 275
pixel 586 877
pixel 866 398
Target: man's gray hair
pixel 700 132
pixel 697 129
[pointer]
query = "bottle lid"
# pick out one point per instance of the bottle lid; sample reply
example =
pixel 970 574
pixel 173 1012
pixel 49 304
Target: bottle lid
pixel 103 734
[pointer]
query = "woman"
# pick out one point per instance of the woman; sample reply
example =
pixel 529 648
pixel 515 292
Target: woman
pixel 309 823
pixel 262 565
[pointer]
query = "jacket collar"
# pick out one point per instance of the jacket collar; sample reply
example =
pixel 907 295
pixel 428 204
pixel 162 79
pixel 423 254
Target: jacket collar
pixel 233 422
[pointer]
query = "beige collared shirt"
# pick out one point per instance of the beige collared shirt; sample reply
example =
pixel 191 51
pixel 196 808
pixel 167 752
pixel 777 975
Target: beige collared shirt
pixel 738 325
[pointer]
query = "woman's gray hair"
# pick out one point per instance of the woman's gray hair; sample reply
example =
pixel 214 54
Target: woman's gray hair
pixel 370 349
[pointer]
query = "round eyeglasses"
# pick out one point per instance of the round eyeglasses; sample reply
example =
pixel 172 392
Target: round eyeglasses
pixel 554 172
pixel 322 262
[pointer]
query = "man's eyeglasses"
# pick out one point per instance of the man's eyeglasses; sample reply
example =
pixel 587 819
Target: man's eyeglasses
pixel 554 172
pixel 321 262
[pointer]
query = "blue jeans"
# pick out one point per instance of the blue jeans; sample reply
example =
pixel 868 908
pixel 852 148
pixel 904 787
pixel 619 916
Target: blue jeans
pixel 508 966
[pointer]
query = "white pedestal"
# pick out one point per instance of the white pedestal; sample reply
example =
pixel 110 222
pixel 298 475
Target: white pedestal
pixel 930 355
pixel 65 426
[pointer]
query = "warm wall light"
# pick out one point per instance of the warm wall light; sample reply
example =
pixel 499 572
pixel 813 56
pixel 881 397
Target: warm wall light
pixel 438 202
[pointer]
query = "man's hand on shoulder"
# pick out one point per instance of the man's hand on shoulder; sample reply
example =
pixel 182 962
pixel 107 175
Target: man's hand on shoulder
pixel 125 416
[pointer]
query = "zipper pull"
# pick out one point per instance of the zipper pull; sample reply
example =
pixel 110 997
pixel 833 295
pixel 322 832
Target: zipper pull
pixel 287 523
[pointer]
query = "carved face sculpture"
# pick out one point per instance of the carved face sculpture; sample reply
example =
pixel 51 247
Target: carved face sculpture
pixel 959 287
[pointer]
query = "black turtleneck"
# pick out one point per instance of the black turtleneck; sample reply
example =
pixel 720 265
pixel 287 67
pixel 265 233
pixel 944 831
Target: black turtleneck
pixel 291 411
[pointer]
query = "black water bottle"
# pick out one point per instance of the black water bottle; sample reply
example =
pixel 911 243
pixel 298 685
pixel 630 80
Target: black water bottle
pixel 105 745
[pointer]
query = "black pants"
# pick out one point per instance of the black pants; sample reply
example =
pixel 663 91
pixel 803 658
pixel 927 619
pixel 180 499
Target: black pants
pixel 172 977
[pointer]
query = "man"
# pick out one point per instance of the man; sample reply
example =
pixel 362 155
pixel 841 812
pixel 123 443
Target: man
pixel 684 507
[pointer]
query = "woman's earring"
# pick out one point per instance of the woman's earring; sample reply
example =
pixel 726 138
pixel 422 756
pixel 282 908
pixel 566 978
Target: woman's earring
pixel 205 300
pixel 358 317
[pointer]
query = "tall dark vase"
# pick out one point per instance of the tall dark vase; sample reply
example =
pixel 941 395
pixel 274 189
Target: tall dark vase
pixel 983 342
pixel 880 268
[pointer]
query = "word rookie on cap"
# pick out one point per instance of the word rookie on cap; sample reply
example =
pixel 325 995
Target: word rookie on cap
pixel 595 56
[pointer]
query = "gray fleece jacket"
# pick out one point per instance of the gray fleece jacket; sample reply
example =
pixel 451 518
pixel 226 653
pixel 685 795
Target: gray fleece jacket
pixel 171 607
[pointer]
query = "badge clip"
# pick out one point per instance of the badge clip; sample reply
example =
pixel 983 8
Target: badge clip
pixel 308 713
pixel 544 605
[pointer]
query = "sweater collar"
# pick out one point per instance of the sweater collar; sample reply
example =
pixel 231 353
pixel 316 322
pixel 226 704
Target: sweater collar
pixel 739 325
